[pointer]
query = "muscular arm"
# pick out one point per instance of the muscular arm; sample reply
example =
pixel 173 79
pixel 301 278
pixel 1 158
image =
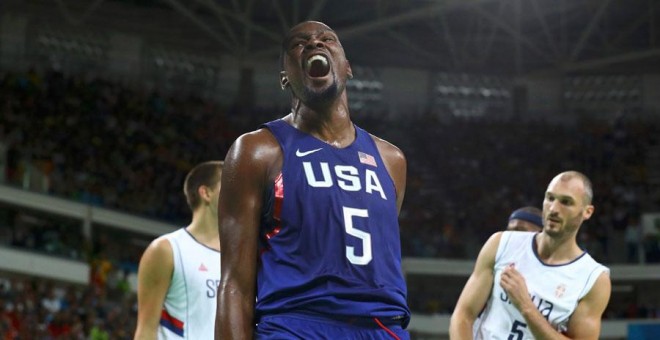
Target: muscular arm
pixel 586 319
pixel 583 324
pixel 154 277
pixel 476 291
pixel 395 162
pixel 248 169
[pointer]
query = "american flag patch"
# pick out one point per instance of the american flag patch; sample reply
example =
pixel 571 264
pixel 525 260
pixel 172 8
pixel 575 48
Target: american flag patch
pixel 366 159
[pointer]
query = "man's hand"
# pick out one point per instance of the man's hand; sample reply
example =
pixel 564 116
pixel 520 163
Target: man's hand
pixel 515 287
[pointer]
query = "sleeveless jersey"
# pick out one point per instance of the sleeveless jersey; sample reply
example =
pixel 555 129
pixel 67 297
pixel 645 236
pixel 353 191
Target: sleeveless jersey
pixel 330 240
pixel 190 303
pixel 554 289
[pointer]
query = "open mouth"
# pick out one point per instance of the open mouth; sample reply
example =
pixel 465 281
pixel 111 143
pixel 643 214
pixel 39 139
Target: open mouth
pixel 317 66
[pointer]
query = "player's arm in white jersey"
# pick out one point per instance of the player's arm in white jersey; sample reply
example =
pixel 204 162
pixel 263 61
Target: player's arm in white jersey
pixel 476 291
pixel 585 320
pixel 154 277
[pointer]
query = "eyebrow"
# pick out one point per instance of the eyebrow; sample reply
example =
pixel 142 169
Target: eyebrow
pixel 548 193
pixel 306 35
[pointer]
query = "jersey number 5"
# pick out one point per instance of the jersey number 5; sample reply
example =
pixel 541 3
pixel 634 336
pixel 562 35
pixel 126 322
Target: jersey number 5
pixel 516 330
pixel 366 256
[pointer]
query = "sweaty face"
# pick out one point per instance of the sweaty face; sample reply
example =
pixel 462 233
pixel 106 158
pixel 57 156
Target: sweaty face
pixel 314 62
pixel 564 208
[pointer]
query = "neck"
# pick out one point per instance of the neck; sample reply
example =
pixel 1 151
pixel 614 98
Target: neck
pixel 556 250
pixel 329 123
pixel 204 227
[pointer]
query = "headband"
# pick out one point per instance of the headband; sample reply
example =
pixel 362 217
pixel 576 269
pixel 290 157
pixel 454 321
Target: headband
pixel 525 216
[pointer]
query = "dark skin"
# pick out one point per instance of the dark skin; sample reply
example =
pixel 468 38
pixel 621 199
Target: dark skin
pixel 319 108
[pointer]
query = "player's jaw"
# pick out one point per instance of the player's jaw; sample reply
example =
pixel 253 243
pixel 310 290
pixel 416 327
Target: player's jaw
pixel 556 224
pixel 320 81
pixel 552 223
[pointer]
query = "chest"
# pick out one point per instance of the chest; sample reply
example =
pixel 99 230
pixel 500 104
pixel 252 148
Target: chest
pixel 555 291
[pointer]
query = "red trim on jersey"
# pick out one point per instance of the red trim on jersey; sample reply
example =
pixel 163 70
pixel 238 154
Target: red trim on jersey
pixel 279 197
pixel 389 331
pixel 171 323
pixel 278 193
pixel 273 233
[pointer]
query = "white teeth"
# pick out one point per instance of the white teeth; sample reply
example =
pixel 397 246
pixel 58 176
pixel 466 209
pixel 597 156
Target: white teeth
pixel 313 58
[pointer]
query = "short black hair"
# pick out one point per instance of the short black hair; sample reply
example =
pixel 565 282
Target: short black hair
pixel 207 174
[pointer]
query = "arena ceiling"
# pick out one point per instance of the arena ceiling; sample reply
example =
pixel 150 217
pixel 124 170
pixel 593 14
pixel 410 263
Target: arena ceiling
pixel 477 36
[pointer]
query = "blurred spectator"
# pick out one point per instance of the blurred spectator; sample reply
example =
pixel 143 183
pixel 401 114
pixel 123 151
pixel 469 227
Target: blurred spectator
pixel 63 311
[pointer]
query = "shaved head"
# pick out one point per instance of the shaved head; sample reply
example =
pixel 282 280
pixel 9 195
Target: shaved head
pixel 586 183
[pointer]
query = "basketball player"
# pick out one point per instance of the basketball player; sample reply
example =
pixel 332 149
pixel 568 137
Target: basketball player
pixel 538 285
pixel 526 219
pixel 309 213
pixel 178 273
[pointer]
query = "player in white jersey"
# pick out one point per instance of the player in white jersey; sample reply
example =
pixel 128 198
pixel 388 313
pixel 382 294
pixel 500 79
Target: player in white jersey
pixel 538 285
pixel 179 272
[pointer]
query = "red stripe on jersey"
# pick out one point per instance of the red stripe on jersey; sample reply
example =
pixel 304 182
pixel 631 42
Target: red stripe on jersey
pixel 278 192
pixel 274 232
pixel 389 331
pixel 176 322
pixel 168 320
pixel 279 197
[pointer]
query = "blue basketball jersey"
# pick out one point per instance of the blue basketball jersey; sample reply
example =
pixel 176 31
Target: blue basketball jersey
pixel 330 237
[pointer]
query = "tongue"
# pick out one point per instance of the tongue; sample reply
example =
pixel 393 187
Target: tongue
pixel 318 69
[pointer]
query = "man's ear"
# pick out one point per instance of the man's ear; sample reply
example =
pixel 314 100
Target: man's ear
pixel 588 211
pixel 349 71
pixel 284 80
pixel 204 194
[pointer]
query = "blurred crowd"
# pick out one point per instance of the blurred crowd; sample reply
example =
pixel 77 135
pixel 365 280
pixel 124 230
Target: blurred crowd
pixel 467 177
pixel 101 143
pixel 105 144
pixel 32 308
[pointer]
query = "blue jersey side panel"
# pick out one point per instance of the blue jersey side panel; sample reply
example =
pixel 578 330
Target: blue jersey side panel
pixel 336 249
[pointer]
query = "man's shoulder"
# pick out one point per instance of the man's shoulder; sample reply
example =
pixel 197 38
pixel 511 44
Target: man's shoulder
pixel 253 153
pixel 164 242
pixel 158 255
pixel 256 143
pixel 386 148
pixel 257 137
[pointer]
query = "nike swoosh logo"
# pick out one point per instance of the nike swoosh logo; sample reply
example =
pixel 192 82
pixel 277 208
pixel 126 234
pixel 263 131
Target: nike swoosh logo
pixel 305 153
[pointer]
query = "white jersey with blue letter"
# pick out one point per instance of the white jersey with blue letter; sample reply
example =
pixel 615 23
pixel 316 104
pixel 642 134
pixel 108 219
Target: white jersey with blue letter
pixel 190 303
pixel 554 289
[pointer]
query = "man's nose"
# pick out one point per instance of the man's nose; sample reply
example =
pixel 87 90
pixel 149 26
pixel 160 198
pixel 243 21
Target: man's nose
pixel 554 206
pixel 313 43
